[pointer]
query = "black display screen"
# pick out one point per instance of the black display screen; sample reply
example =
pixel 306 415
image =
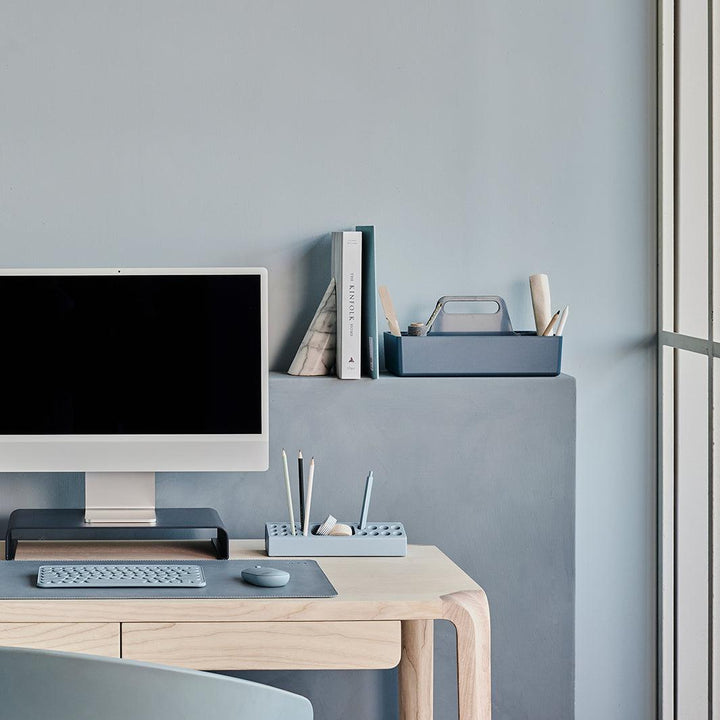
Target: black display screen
pixel 130 354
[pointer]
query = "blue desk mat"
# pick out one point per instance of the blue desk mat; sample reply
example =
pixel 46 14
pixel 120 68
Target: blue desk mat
pixel 18 580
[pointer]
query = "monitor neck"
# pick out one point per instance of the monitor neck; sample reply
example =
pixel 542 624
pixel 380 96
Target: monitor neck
pixel 120 498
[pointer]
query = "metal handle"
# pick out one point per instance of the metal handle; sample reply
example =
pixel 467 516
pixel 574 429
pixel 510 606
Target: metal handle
pixel 498 321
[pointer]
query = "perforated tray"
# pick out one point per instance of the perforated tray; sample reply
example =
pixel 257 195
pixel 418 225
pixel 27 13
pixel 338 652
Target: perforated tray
pixel 379 538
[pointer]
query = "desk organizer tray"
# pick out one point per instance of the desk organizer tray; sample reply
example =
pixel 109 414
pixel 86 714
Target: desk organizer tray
pixel 473 344
pixel 223 581
pixel 378 539
pixel 473 354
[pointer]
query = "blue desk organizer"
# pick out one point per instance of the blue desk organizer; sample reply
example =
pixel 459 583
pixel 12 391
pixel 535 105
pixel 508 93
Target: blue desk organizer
pixel 473 344
pixel 379 539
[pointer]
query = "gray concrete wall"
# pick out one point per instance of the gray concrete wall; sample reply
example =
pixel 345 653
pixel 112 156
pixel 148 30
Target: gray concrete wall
pixel 466 464
pixel 486 140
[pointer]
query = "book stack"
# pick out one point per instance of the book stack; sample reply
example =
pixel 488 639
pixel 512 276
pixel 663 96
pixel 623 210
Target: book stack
pixel 343 332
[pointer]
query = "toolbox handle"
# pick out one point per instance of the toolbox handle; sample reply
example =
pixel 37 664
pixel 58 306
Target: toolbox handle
pixel 492 322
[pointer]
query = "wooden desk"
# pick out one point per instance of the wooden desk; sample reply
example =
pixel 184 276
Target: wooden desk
pixel 383 616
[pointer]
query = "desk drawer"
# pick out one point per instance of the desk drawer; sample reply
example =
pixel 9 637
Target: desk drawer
pixel 92 638
pixel 265 645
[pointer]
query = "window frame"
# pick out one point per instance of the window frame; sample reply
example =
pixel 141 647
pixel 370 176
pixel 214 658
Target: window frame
pixel 672 342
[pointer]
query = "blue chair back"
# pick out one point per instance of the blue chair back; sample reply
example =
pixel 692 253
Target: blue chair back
pixel 38 684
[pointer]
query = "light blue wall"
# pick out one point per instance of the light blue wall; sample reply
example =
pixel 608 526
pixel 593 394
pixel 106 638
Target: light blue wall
pixel 486 140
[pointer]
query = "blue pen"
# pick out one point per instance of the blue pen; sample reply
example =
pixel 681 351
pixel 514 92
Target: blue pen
pixel 366 501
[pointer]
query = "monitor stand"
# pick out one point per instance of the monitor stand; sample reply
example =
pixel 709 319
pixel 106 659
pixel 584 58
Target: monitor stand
pixel 119 506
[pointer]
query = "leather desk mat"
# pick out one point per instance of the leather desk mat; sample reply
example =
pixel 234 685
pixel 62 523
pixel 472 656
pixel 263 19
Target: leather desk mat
pixel 18 580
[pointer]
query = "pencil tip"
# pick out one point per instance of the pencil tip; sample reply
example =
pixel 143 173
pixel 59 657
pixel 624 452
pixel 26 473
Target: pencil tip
pixel 299 454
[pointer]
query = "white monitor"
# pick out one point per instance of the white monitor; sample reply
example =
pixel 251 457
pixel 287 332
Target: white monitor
pixel 120 373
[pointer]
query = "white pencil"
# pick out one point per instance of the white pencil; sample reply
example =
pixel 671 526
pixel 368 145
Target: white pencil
pixel 366 501
pixel 563 320
pixel 289 494
pixel 308 499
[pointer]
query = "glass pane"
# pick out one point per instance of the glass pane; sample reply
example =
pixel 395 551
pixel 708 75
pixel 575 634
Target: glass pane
pixel 716 172
pixel 691 534
pixel 666 165
pixel 716 537
pixel 691 249
pixel 667 515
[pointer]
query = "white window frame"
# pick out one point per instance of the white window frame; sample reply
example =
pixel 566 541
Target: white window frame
pixel 672 179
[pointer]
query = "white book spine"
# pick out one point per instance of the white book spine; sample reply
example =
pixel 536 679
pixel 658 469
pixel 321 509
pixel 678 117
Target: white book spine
pixel 347 270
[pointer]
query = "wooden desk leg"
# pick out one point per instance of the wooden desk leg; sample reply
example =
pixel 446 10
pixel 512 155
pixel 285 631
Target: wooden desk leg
pixel 468 611
pixel 415 672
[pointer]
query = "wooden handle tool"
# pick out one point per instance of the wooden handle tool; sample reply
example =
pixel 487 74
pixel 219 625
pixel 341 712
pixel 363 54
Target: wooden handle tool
pixel 540 296
pixel 389 310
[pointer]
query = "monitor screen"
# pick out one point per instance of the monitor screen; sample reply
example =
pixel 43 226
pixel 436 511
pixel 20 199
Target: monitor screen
pixel 127 354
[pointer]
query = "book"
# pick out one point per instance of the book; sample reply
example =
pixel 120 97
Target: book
pixel 369 350
pixel 347 270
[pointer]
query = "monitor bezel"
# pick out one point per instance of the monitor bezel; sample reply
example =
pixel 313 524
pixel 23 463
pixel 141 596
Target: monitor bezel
pixel 145 453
